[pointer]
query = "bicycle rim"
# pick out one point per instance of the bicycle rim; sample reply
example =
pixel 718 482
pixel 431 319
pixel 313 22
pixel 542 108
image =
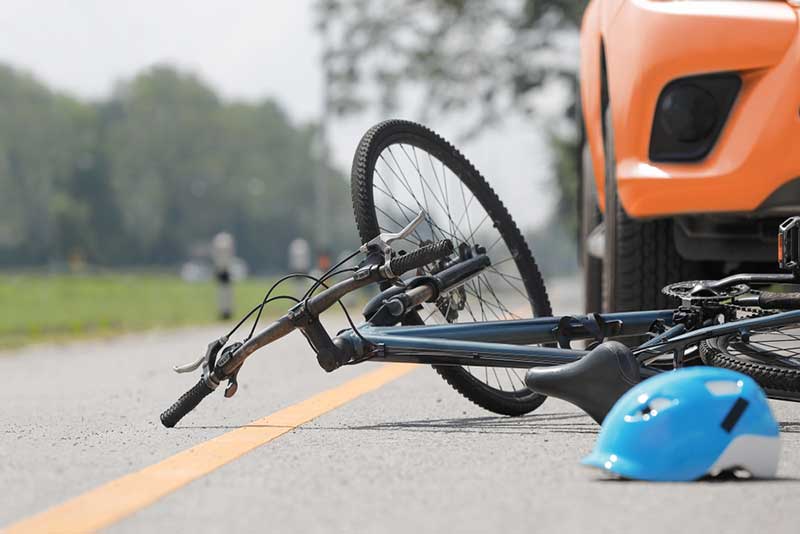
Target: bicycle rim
pixel 413 171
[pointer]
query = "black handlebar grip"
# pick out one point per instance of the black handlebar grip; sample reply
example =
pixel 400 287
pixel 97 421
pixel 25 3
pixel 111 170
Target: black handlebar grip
pixel 421 257
pixel 185 404
pixel 779 301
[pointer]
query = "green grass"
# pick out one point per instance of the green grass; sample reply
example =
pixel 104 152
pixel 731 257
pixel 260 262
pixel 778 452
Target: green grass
pixel 36 308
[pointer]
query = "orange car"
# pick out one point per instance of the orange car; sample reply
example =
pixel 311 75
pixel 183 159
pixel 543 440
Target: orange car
pixel 691 115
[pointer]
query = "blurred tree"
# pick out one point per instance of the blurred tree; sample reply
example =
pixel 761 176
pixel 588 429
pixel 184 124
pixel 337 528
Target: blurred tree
pixel 273 167
pixel 479 59
pixel 42 135
pixel 162 140
pixel 160 167
pixel 185 165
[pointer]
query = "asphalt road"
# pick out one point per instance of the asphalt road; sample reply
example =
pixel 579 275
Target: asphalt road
pixel 412 456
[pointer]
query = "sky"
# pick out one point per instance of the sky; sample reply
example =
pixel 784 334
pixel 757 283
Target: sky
pixel 246 49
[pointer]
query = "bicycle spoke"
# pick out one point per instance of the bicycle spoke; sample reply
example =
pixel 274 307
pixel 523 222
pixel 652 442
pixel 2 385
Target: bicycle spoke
pixel 491 306
pixel 497 300
pixel 477 227
pixel 515 288
pixel 392 219
pixel 499 386
pixel 433 311
pixel 521 381
pixel 510 380
pixel 400 205
pixel 431 224
pixel 424 196
pixel 440 204
pixel 489 249
pixel 409 179
pixel 466 209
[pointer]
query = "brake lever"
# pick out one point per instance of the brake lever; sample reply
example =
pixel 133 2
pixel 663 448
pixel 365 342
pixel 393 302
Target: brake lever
pixel 225 357
pixel 385 239
pixel 206 360
pixel 233 385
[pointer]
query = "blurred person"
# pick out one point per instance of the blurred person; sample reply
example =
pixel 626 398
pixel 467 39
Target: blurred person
pixel 299 256
pixel 300 262
pixel 222 254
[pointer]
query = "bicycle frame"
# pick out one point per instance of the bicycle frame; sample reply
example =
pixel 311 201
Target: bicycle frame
pixel 507 343
pixel 496 343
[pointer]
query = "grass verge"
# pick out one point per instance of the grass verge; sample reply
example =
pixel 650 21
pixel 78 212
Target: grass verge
pixel 36 308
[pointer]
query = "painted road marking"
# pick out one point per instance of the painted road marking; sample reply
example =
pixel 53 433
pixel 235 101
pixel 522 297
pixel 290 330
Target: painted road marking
pixel 115 500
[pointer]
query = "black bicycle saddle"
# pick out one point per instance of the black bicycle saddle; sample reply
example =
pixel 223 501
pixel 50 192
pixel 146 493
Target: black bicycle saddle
pixel 593 383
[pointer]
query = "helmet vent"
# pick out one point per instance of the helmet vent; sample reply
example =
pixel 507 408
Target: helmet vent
pixel 724 387
pixel 660 403
pixel 650 409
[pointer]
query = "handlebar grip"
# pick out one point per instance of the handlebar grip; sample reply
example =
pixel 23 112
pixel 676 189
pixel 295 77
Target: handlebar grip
pixel 779 301
pixel 420 257
pixel 184 405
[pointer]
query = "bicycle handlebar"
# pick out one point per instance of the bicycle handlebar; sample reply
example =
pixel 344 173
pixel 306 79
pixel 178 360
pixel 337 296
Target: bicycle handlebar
pixel 284 325
pixel 185 404
pixel 421 257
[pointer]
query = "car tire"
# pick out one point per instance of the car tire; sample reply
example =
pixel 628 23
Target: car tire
pixel 640 256
pixel 591 266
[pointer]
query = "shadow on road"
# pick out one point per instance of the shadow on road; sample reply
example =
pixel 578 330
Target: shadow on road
pixel 789 427
pixel 723 478
pixel 560 423
pixel 557 423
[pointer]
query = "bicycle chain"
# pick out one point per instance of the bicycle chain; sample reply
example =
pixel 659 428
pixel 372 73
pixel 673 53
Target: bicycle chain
pixel 750 311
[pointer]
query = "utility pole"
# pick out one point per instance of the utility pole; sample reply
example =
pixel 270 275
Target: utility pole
pixel 321 194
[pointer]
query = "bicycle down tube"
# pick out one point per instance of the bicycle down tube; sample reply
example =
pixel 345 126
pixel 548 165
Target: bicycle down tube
pixel 495 343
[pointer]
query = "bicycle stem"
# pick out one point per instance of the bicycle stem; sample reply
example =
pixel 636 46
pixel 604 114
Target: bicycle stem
pixel 305 311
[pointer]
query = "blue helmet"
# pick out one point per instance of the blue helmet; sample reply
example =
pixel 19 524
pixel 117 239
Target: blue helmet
pixel 686 424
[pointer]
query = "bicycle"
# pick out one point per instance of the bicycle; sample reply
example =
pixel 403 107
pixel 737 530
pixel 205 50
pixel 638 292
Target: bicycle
pixel 476 307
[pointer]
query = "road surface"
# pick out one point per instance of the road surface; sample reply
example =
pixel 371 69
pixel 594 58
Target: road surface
pixel 408 456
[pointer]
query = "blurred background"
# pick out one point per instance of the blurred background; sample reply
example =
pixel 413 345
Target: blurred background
pixel 133 133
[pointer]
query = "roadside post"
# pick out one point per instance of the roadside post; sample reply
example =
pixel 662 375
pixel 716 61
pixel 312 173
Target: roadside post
pixel 222 254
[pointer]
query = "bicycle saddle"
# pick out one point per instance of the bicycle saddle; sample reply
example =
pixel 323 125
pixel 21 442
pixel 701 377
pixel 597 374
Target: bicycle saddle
pixel 593 383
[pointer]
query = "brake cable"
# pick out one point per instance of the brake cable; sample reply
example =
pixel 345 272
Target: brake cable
pixel 258 308
pixel 318 281
pixel 327 274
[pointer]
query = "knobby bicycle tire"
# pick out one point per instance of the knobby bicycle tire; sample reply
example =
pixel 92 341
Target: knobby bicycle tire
pixel 773 362
pixel 399 132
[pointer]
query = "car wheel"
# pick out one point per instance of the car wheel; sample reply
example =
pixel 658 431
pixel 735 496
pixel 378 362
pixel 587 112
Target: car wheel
pixel 640 256
pixel 592 266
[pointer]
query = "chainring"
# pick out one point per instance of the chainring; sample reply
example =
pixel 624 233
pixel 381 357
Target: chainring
pixel 683 291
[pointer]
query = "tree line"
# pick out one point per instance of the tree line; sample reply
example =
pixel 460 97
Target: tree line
pixel 475 60
pixel 146 175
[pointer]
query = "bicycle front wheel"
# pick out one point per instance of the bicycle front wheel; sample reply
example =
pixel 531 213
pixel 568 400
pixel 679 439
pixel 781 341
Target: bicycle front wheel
pixel 401 168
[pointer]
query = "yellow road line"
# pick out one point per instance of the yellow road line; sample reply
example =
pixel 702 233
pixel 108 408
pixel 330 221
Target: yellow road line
pixel 120 498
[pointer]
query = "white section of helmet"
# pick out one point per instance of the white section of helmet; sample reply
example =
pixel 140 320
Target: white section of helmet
pixel 758 455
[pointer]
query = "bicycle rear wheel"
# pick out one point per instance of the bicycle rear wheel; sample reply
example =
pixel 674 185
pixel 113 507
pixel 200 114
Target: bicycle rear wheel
pixel 770 355
pixel 401 168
